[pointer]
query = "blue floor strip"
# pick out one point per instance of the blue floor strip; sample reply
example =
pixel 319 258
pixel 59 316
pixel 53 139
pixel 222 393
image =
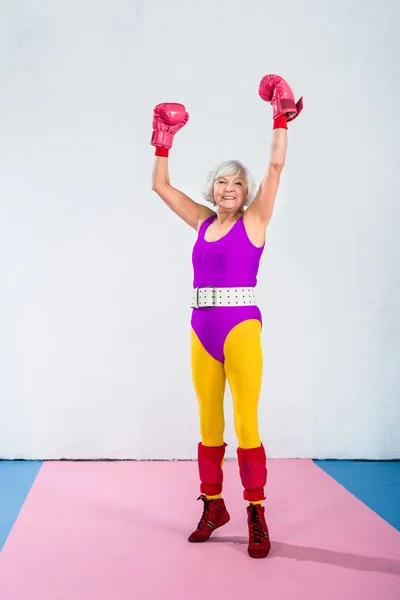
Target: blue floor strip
pixel 376 483
pixel 16 479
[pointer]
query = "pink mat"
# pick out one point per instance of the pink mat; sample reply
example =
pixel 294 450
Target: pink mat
pixel 117 531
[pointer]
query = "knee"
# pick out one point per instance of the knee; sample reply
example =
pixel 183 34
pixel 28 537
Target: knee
pixel 212 432
pixel 247 432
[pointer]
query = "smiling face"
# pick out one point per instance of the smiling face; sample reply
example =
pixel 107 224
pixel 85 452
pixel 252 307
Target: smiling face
pixel 230 192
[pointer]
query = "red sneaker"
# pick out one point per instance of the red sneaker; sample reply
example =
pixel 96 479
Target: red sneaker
pixel 259 544
pixel 214 515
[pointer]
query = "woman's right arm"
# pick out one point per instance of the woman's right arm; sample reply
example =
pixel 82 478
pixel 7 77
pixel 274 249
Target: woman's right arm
pixel 191 212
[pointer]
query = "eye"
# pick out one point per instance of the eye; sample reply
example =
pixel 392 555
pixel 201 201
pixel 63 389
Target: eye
pixel 238 183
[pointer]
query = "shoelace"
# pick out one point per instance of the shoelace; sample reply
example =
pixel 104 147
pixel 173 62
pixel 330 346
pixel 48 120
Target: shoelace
pixel 204 521
pixel 256 531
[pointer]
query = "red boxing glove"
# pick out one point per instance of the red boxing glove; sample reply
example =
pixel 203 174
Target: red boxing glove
pixel 168 118
pixel 277 91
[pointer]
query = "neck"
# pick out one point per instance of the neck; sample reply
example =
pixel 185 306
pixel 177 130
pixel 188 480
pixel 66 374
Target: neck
pixel 228 217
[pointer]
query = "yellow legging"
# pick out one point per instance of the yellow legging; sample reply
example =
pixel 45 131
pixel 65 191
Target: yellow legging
pixel 243 369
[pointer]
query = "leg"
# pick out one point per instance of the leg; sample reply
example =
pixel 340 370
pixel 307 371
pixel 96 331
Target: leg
pixel 243 367
pixel 209 382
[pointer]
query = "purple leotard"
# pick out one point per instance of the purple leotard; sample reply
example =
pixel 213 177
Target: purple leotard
pixel 230 261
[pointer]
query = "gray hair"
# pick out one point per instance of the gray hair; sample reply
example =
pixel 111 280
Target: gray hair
pixel 230 167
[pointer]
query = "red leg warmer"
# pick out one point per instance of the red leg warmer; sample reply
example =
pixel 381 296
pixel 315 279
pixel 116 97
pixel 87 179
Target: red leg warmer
pixel 253 472
pixel 210 468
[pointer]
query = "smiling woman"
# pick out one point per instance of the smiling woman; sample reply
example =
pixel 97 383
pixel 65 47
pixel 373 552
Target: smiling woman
pixel 226 322
pixel 234 172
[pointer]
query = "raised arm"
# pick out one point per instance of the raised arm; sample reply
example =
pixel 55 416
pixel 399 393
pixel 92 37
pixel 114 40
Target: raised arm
pixel 274 89
pixel 168 119
pixel 263 204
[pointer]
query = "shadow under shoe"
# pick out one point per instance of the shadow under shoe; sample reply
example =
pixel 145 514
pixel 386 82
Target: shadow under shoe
pixel 259 543
pixel 214 515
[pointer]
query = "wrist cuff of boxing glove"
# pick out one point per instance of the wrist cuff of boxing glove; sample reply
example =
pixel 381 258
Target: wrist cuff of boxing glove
pixel 161 151
pixel 280 122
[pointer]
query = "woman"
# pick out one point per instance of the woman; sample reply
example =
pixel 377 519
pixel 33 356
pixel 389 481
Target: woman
pixel 226 322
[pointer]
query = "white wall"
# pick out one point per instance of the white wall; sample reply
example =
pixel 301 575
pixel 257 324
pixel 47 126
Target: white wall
pixel 96 273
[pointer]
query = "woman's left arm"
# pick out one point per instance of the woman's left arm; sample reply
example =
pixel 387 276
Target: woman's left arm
pixel 262 207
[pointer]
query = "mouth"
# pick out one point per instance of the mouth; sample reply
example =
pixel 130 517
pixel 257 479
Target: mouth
pixel 228 198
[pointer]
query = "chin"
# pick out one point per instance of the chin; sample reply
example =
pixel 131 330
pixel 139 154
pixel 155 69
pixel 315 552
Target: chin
pixel 230 206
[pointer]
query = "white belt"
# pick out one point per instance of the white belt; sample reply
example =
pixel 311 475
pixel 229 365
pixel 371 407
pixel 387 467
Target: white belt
pixel 209 297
